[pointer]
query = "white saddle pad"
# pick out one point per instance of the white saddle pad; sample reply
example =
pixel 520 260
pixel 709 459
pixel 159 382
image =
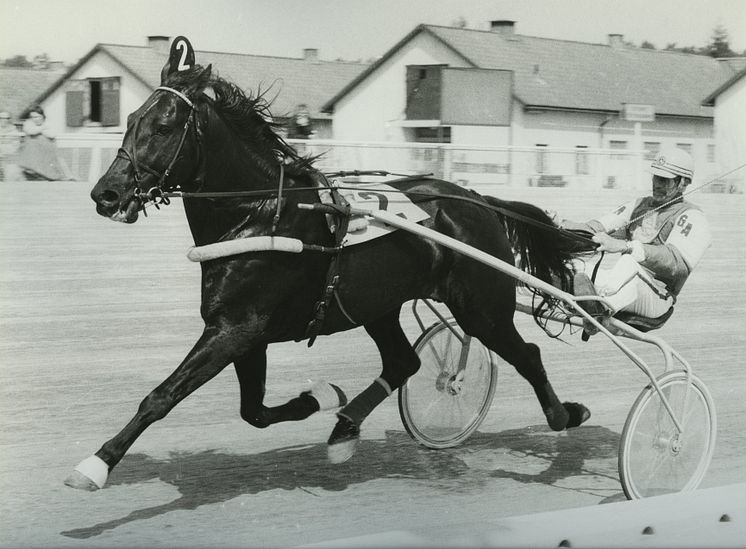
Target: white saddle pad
pixel 378 196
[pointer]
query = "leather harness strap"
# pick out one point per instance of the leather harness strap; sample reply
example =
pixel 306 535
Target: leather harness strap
pixel 341 209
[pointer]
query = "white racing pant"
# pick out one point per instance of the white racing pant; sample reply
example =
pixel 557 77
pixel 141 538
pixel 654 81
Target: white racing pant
pixel 625 288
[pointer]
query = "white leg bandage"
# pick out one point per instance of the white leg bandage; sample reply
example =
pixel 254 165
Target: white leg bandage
pixel 327 395
pixel 94 468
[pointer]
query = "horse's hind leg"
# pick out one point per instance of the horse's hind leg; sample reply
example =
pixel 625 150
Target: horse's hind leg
pixel 251 370
pixel 500 335
pixel 399 362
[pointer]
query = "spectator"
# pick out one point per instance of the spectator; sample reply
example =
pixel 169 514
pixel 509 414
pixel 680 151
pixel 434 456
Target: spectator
pixel 39 157
pixel 10 143
pixel 300 123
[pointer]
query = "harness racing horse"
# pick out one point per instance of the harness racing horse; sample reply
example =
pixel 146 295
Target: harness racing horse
pixel 203 136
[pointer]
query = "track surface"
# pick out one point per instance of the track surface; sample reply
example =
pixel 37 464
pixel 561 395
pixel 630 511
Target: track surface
pixel 95 314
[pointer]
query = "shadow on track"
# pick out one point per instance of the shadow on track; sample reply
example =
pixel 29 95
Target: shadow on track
pixel 210 477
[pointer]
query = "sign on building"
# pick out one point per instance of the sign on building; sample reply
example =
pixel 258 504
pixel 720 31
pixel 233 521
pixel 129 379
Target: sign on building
pixel 636 112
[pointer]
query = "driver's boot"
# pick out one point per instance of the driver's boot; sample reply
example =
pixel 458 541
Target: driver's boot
pixel 582 286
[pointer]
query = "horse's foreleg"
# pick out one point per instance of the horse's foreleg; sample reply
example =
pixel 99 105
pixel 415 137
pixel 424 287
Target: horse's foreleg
pixel 399 362
pixel 207 358
pixel 251 370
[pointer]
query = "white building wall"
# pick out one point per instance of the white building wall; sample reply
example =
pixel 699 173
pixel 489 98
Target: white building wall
pixel 570 131
pixel 480 135
pixel 375 109
pixel 730 133
pixel 132 94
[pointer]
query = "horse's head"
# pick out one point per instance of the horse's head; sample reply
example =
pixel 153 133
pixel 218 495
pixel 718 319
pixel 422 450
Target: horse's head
pixel 196 132
pixel 161 147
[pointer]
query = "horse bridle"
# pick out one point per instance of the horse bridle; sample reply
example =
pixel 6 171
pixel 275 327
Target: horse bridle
pixel 156 192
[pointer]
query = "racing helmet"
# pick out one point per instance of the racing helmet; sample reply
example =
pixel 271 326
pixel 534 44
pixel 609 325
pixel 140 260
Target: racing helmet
pixel 673 162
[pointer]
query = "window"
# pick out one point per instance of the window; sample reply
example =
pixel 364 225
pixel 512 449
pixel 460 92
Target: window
pixel 440 134
pixel 581 160
pixel 619 146
pixel 92 102
pixel 685 147
pixel 651 149
pixel 710 152
pixel 542 159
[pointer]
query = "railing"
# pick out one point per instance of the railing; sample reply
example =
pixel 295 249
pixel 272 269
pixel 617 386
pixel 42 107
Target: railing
pixel 89 156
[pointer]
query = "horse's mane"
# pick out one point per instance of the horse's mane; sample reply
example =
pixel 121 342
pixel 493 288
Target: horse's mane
pixel 248 116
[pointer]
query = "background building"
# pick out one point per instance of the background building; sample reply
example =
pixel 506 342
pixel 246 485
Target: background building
pixel 473 106
pixel 109 82
pixel 729 101
pixel 560 99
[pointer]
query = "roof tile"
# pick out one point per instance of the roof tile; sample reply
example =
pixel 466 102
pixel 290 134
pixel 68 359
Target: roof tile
pixel 578 75
pixel 292 80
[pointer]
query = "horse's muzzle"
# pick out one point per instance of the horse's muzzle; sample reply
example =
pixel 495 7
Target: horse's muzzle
pixel 110 204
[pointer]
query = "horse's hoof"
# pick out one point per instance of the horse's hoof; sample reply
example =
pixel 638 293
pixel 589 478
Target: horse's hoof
pixel 341 451
pixel 343 440
pixel 79 481
pixel 579 414
pixel 557 418
pixel 90 474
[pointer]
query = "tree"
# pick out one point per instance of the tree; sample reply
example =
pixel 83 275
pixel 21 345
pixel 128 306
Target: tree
pixel 41 61
pixel 719 45
pixel 459 22
pixel 647 45
pixel 18 61
pixel 689 49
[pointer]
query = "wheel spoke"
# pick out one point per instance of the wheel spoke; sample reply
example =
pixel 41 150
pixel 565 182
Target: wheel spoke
pixel 432 414
pixel 654 457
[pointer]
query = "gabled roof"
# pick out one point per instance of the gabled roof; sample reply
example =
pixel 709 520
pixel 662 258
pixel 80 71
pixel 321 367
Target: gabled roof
pixel 292 80
pixel 561 74
pixel 19 87
pixel 710 99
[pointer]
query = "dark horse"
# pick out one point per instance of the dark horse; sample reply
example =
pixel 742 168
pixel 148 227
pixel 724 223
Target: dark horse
pixel 201 134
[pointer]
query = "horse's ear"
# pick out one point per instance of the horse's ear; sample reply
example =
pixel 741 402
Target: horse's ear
pixel 180 58
pixel 204 82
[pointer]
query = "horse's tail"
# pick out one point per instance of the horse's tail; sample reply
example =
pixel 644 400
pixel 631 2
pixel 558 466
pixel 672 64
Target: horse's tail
pixel 544 250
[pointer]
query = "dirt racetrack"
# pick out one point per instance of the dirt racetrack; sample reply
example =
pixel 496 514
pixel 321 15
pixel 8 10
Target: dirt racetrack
pixel 95 314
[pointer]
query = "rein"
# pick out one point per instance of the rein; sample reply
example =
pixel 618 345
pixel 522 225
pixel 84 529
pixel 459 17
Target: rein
pixel 158 195
pixel 166 195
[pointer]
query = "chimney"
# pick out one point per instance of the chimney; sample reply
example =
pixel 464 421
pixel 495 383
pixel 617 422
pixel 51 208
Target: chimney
pixel 616 40
pixel 311 55
pixel 503 26
pixel 159 43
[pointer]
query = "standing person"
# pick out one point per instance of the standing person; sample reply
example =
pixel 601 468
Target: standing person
pixel 39 157
pixel 36 124
pixel 10 144
pixel 660 239
pixel 300 124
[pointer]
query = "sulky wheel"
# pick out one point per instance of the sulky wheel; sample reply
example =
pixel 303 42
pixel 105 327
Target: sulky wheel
pixel 654 458
pixel 449 396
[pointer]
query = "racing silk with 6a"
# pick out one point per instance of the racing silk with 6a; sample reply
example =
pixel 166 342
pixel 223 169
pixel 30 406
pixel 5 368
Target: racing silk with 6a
pixel 673 239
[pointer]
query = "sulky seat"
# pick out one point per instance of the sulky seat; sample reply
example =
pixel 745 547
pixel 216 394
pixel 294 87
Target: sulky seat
pixel 643 323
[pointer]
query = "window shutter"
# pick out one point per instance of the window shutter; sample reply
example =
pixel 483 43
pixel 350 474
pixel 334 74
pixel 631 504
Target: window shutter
pixel 110 107
pixel 74 108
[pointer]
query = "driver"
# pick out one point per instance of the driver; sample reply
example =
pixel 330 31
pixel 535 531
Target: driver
pixel 660 239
